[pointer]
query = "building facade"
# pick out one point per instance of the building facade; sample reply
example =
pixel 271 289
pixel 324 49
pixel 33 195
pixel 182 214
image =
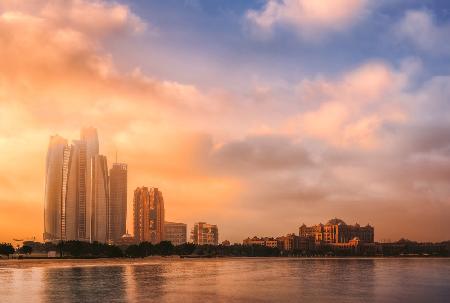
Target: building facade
pixel 89 136
pixel 265 241
pixel 148 213
pixel 99 199
pixel 175 233
pixel 205 234
pixel 290 242
pixel 117 201
pixel 337 231
pixel 76 193
pixel 76 203
pixel 55 189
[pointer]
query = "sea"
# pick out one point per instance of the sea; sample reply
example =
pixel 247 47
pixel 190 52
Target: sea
pixel 158 279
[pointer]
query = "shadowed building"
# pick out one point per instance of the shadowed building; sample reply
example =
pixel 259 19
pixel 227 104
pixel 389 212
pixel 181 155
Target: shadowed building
pixel 148 212
pixel 117 201
pixel 203 233
pixel 175 233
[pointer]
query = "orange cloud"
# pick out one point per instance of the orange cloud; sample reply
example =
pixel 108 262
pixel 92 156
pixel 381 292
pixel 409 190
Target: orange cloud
pixel 351 111
pixel 55 77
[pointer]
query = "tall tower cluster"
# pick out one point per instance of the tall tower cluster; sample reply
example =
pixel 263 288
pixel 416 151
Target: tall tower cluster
pixel 78 191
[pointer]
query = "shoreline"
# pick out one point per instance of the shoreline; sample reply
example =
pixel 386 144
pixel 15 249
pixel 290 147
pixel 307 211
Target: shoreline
pixel 86 262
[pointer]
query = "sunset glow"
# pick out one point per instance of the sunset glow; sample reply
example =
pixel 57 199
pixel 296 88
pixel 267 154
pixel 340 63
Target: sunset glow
pixel 257 116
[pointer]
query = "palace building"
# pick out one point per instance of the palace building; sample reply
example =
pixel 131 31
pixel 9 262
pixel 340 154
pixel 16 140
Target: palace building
pixel 337 231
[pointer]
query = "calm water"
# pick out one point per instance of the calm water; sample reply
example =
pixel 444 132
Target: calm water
pixel 227 280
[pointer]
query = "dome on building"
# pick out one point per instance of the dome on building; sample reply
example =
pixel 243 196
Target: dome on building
pixel 336 221
pixel 126 236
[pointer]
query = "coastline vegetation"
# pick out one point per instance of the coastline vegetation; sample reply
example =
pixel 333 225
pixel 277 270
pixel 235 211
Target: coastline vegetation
pixel 86 250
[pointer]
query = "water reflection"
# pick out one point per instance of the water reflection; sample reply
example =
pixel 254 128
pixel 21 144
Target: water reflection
pixel 146 282
pixel 230 280
pixel 85 284
pixel 17 285
pixel 353 280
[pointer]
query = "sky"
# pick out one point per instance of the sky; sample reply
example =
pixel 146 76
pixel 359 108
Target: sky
pixel 255 115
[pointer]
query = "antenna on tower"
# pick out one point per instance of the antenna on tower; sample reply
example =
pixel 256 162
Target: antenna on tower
pixel 116 155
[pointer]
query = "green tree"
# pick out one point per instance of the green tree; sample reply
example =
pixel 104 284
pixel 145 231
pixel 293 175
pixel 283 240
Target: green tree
pixel 6 249
pixel 133 251
pixel 146 249
pixel 26 250
pixel 166 248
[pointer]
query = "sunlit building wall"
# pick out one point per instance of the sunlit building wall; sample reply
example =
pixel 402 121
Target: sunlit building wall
pixel 337 231
pixel 117 201
pixel 66 170
pixel 203 233
pixel 148 213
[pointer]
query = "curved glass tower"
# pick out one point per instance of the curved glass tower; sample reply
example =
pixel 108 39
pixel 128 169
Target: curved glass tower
pixel 56 172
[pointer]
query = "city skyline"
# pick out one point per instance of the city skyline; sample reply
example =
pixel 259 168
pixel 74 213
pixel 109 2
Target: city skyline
pixel 247 112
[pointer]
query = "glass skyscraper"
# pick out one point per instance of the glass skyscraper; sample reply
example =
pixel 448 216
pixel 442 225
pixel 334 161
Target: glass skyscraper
pixel 55 188
pixel 117 201
pixel 77 205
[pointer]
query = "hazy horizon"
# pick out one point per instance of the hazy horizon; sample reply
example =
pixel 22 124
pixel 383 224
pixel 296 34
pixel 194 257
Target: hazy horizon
pixel 257 116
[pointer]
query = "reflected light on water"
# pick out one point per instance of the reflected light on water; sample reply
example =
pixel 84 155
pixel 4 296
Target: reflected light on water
pixel 229 280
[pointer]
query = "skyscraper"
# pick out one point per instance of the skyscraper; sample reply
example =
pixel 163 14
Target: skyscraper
pixel 203 233
pixel 55 184
pixel 99 199
pixel 76 216
pixel 90 137
pixel 117 201
pixel 148 208
pixel 76 190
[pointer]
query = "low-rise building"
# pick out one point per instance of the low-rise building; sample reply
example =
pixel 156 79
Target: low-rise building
pixel 226 243
pixel 175 233
pixel 266 241
pixel 126 239
pixel 205 234
pixel 290 242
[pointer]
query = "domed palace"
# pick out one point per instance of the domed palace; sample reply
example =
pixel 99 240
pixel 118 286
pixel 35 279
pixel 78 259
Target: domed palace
pixel 337 231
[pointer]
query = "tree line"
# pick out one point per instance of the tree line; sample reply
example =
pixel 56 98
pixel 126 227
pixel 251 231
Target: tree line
pixel 80 249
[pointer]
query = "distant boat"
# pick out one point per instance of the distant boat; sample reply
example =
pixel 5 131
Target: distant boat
pixel 18 240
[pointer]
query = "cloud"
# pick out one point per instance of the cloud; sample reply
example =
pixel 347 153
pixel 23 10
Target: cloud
pixel 96 17
pixel 311 19
pixel 259 154
pixel 56 76
pixel 421 30
pixel 352 110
